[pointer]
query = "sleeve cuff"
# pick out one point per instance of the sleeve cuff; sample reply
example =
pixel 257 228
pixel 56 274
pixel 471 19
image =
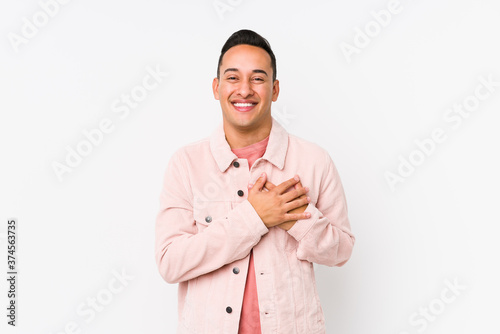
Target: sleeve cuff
pixel 302 226
pixel 247 214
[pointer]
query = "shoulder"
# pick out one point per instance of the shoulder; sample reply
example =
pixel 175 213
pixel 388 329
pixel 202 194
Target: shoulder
pixel 307 148
pixel 321 160
pixel 191 150
pixel 194 147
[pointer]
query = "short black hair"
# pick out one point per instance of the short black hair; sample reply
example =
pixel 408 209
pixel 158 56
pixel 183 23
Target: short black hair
pixel 248 37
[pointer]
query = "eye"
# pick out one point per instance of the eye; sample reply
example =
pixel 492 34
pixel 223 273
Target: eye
pixel 231 78
pixel 258 79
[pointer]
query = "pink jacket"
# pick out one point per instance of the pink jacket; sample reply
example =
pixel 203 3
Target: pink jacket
pixel 206 228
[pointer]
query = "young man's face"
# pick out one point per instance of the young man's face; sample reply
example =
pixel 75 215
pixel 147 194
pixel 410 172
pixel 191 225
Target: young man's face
pixel 245 88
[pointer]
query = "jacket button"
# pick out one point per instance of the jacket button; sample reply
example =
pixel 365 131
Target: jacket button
pixel 240 193
pixel 236 270
pixel 229 309
pixel 208 219
pixel 236 164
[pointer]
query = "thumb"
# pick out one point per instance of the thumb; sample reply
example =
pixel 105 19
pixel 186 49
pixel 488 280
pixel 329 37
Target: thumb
pixel 259 183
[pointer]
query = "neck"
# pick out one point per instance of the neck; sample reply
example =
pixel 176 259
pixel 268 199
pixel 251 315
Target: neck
pixel 240 137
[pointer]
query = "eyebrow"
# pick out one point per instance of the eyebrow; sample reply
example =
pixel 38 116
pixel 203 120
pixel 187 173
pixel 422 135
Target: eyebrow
pixel 253 71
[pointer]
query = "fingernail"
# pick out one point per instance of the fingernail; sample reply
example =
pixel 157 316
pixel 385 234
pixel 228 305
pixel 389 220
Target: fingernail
pixel 250 185
pixel 262 175
pixel 296 177
pixel 308 198
pixel 307 189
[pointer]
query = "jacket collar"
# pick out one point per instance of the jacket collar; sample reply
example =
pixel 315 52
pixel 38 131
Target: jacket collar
pixel 275 152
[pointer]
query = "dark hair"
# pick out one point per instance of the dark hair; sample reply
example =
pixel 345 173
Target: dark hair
pixel 249 37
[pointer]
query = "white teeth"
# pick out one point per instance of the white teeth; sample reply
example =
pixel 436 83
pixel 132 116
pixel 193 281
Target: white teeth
pixel 243 104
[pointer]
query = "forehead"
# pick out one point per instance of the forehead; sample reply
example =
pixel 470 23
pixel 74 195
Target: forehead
pixel 245 56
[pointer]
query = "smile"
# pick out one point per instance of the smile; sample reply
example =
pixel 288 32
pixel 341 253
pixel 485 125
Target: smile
pixel 244 106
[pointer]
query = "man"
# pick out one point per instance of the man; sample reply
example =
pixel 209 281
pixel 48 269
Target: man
pixel 245 212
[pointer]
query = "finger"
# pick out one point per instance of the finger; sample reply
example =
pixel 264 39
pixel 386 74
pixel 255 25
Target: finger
pixel 295 193
pixel 269 185
pixel 259 183
pixel 297 216
pixel 295 186
pixel 299 202
pixel 286 184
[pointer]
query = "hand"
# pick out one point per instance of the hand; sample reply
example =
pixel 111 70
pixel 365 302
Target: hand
pixel 288 225
pixel 273 206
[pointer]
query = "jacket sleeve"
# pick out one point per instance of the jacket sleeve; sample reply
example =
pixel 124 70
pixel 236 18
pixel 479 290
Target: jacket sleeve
pixel 325 237
pixel 181 251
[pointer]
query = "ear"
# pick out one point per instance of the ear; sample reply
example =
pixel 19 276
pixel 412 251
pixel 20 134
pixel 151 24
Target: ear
pixel 276 89
pixel 215 88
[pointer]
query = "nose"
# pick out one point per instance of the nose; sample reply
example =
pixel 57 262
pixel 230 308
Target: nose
pixel 245 88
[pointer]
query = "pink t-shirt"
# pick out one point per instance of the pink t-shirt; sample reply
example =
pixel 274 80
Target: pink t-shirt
pixel 250 318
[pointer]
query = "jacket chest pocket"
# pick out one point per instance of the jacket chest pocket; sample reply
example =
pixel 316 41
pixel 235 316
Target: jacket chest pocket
pixel 206 213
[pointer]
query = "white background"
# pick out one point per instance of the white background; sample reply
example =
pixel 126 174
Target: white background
pixel 368 109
